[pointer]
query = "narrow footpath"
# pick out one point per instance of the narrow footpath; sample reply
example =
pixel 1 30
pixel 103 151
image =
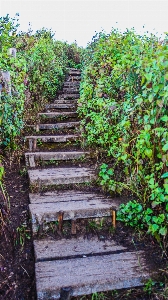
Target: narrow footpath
pixel 75 266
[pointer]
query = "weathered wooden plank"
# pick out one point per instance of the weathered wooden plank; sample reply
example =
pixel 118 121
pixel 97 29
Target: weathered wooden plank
pixel 58 125
pixel 61 100
pixel 53 138
pixel 61 105
pixel 72 195
pixel 54 115
pixel 58 176
pixel 91 274
pixel 49 211
pixel 70 84
pixel 71 90
pixel 44 156
pixel 70 96
pixel 51 250
pixel 74 78
pixel 49 139
pixel 74 72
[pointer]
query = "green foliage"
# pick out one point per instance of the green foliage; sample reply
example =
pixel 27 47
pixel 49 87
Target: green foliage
pixel 124 93
pixel 131 214
pixel 5 205
pixel 11 103
pixel 36 74
pixel 23 234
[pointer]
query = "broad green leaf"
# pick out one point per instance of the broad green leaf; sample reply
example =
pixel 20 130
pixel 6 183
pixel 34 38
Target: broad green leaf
pixel 165 175
pixel 163 231
pixel 148 153
pixel 166 187
pixel 148 76
pixel 164 118
pixel 165 147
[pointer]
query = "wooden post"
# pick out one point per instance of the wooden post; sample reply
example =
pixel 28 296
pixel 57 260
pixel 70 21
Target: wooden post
pixel 60 220
pixel 5 82
pixel 37 128
pixel 12 52
pixel 66 293
pixel 114 218
pixel 73 227
pixel 34 144
pixel 39 185
pixel 30 144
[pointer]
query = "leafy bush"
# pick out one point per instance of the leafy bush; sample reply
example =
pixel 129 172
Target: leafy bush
pixel 11 103
pixel 123 100
pixel 36 74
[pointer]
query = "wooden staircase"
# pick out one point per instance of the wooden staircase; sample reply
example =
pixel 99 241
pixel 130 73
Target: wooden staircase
pixel 75 266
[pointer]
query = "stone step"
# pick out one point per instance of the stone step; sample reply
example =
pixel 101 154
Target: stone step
pixel 58 176
pixel 49 249
pixel 57 126
pixel 31 157
pixel 49 139
pixel 61 106
pixel 56 115
pixel 72 204
pixel 88 275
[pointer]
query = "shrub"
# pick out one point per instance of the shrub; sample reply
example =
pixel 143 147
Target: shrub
pixel 123 100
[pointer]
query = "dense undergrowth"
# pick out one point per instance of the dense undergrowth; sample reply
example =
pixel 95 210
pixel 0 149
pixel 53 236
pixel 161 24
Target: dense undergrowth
pixel 36 74
pixel 123 105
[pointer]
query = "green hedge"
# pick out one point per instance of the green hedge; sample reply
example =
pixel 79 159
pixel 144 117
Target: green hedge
pixel 124 93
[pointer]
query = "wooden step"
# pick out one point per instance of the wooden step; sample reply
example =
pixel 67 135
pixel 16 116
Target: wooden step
pixel 49 249
pixel 55 115
pixel 71 90
pixel 47 208
pixel 69 84
pixel 73 78
pixel 61 106
pixel 66 196
pixel 70 96
pixel 88 275
pixel 61 100
pixel 49 139
pixel 31 157
pixel 74 72
pixel 57 176
pixel 57 126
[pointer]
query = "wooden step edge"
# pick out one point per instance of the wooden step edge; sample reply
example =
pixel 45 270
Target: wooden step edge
pixel 89 275
pixel 56 126
pixel 72 195
pixel 59 176
pixel 49 249
pixel 44 213
pixel 32 140
pixel 31 157
pixel 57 114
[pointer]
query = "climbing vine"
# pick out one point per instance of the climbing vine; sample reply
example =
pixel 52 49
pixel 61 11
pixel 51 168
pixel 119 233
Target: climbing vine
pixel 123 105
